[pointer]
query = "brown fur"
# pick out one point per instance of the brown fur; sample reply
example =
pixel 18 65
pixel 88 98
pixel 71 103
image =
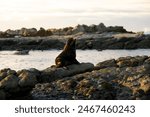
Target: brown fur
pixel 68 55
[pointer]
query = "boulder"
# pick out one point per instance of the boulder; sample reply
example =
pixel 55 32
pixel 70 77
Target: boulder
pixel 131 61
pixel 27 32
pixel 21 52
pixel 27 79
pixel 5 72
pixel 107 63
pixel 9 83
pixel 51 74
pixel 42 32
pixel 80 28
pixel 3 75
pixel 101 27
pixel 11 33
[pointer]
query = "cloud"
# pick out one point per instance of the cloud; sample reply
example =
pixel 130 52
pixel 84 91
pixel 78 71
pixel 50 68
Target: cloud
pixel 60 13
pixel 89 8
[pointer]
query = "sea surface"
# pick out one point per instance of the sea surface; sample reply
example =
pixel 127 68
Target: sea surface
pixel 43 59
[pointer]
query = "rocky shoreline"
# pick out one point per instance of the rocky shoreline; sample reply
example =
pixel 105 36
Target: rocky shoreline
pixel 126 78
pixel 107 40
pixel 97 37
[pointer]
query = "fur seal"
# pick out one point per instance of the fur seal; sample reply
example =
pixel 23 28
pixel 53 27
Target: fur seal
pixel 68 55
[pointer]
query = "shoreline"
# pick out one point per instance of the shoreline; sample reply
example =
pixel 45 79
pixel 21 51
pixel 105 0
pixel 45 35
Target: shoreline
pixel 107 40
pixel 42 59
pixel 123 78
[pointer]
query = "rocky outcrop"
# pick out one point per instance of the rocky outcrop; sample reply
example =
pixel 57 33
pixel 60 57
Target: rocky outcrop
pixel 126 78
pixel 111 79
pixel 88 37
pixel 14 84
pixel 32 32
pixel 109 40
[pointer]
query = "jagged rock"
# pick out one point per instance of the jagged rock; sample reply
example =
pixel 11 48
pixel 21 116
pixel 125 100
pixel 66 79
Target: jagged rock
pixel 41 32
pixel 104 64
pixel 9 83
pixel 3 75
pixel 51 74
pixel 82 86
pixel 130 80
pixel 11 33
pixel 101 27
pixel 5 72
pixel 116 29
pixel 131 61
pixel 79 28
pixel 27 79
pixel 13 72
pixel 120 38
pixel 28 32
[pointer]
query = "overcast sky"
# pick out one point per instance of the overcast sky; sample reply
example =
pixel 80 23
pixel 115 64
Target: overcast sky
pixel 132 14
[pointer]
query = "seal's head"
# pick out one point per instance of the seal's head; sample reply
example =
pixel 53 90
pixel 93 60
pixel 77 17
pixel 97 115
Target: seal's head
pixel 68 55
pixel 70 44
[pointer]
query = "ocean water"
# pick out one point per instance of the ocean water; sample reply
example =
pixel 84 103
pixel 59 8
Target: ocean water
pixel 43 59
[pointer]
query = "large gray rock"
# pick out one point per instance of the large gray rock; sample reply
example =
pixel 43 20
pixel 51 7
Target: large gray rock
pixel 51 74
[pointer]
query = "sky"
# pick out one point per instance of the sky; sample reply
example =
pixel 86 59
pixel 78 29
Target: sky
pixel 134 15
